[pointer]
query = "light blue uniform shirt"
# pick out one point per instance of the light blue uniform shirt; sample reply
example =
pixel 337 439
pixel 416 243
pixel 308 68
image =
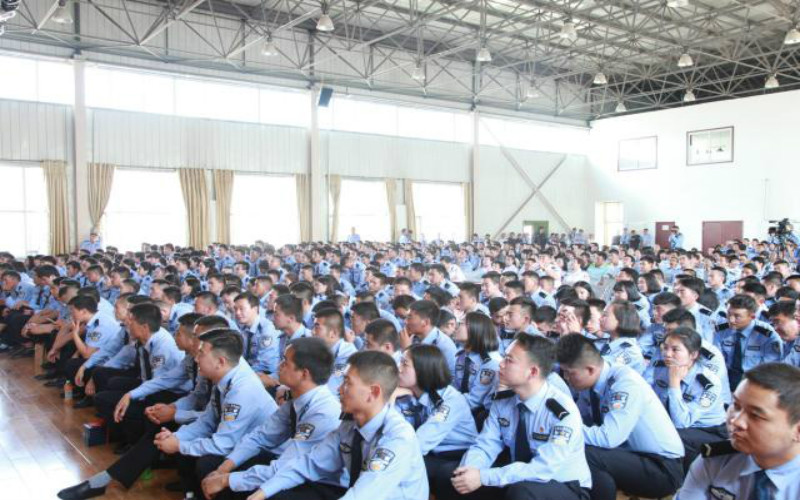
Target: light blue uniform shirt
pixel 446 425
pixel 392 469
pixel 175 314
pixel 624 351
pixel 239 403
pixel 704 319
pixel 555 440
pixel 482 377
pixel 341 351
pixel 792 353
pixel 164 357
pixel 191 406
pixel 104 334
pixel 732 477
pixel 261 345
pixel 633 417
pixel 283 338
pixel 179 379
pixel 317 415
pixel 760 344
pixel 710 358
pixel 444 343
pixel 542 298
pixel 697 403
pixel 507 336
pixel 650 340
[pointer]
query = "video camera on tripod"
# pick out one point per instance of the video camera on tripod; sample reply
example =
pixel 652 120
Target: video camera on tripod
pixel 781 230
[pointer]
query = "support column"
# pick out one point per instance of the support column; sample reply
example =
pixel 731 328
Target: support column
pixel 318 199
pixel 83 223
pixel 474 170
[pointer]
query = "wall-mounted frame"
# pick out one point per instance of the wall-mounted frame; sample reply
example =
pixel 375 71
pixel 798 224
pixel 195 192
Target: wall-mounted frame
pixel 710 146
pixel 637 154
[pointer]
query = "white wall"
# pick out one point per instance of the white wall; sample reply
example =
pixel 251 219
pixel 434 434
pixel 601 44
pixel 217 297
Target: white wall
pixel 760 184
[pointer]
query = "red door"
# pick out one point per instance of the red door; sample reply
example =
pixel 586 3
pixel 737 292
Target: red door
pixel 718 232
pixel 662 233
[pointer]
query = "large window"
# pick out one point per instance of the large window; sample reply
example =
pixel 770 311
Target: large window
pixel 638 154
pixel 608 221
pixel 23 210
pixel 36 80
pixel 364 116
pixel 264 208
pixel 146 206
pixel 149 92
pixel 364 206
pixel 440 211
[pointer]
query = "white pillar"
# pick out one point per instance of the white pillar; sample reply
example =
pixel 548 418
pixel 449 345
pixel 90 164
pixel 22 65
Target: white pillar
pixel 83 223
pixel 474 170
pixel 318 198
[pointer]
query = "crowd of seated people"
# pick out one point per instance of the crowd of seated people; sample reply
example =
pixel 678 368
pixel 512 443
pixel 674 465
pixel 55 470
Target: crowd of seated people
pixel 522 367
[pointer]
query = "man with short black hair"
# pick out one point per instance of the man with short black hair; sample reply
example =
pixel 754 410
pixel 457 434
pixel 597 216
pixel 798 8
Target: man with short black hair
pixel 374 444
pixel 290 432
pixel 420 329
pixel 762 459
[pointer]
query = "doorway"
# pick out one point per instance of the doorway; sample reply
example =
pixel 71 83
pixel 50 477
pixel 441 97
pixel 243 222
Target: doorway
pixel 663 229
pixel 718 232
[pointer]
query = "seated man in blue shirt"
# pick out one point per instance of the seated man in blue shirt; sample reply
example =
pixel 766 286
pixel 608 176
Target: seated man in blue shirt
pixel 762 458
pixel 374 446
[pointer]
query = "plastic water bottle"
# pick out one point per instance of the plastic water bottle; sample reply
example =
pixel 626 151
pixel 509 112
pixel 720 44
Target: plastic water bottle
pixel 68 391
pixel 189 495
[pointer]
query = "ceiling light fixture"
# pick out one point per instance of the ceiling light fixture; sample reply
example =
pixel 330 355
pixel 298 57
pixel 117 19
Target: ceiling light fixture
pixel 792 37
pixel 483 55
pixel 418 74
pixel 677 4
pixel 689 96
pixel 568 31
pixel 62 15
pixel 269 49
pixel 772 82
pixel 600 78
pixel 685 60
pixel 620 107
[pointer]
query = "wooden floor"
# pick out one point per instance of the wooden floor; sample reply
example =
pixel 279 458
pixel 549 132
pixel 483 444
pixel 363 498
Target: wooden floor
pixel 41 443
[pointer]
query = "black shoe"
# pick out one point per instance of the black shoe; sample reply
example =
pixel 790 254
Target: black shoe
pixel 80 491
pixel 122 448
pixel 86 402
pixel 175 486
pixel 25 352
pixel 50 375
pixel 56 382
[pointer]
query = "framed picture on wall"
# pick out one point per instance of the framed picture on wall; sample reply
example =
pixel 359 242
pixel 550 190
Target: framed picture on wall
pixel 709 146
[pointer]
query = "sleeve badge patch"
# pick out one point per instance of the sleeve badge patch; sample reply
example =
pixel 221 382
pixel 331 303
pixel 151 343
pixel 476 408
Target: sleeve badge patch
pixel 380 460
pixel 304 432
pixel 230 412
pixel 487 376
pixel 619 400
pixel 561 435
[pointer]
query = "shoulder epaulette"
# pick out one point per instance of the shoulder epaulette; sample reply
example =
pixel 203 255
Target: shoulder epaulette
pixel 658 363
pixel 706 353
pixel 722 327
pixel 346 416
pixel 638 307
pixel 486 358
pixel 542 295
pixel 626 345
pixel 709 450
pixel 502 395
pixel 556 409
pixel 763 330
pixel 704 381
pixel 705 311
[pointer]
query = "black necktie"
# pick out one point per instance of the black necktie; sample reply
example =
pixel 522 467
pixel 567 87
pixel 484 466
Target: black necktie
pixel 522 447
pixel 735 372
pixel 597 417
pixel 605 350
pixel 194 374
pixel 39 298
pixel 761 489
pixel 356 457
pixel 147 370
pixel 248 338
pixel 282 343
pixel 465 378
pixel 216 398
pixel 292 419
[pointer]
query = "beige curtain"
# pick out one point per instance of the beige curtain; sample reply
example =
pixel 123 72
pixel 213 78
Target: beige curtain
pixel 223 185
pixel 335 186
pixel 101 177
pixel 303 204
pixel 411 213
pixel 391 198
pixel 195 197
pixel 468 213
pixel 55 175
